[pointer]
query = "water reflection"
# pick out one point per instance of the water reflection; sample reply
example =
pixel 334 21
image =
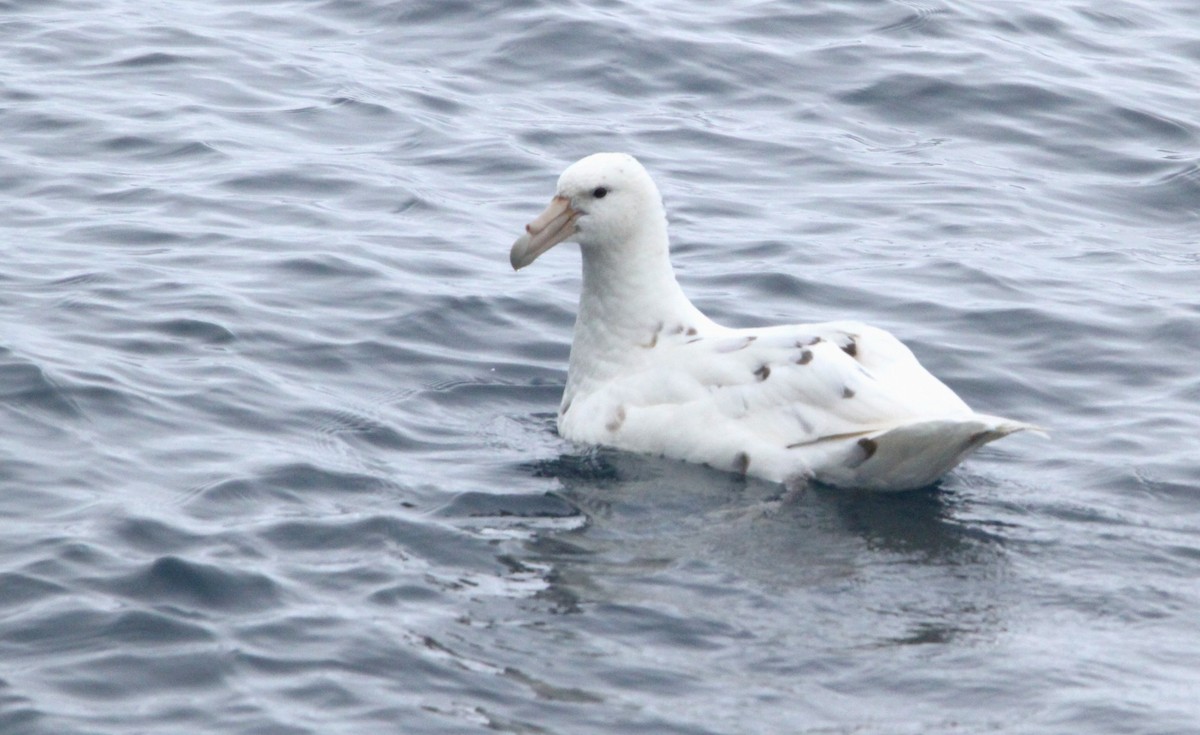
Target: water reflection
pixel 866 568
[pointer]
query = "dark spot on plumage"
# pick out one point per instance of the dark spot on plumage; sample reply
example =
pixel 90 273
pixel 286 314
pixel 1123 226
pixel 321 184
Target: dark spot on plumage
pixel 809 342
pixel 741 463
pixel 867 447
pixel 851 347
pixel 847 392
pixel 762 373
pixel 693 341
pixel 749 339
pixel 565 407
pixel 617 420
pixel 691 331
pixel 806 357
pixel 677 329
pixel 654 337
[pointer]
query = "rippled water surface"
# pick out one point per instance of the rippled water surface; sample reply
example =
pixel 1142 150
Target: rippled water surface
pixel 277 449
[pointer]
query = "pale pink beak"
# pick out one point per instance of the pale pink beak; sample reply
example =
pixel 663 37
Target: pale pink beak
pixel 550 228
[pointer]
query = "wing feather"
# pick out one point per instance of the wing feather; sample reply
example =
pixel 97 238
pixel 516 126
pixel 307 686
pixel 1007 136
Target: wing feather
pixel 812 388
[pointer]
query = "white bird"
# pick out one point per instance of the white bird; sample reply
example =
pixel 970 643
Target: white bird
pixel 841 403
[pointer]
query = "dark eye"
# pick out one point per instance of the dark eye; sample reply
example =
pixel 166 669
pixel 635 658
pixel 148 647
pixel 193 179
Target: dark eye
pixel 599 192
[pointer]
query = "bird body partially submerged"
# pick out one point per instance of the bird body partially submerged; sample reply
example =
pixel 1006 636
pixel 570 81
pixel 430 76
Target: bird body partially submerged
pixel 841 403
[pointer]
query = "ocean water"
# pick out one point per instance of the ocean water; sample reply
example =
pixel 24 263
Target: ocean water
pixel 277 448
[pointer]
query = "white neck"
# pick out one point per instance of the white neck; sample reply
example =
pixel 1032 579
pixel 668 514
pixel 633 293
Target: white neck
pixel 630 296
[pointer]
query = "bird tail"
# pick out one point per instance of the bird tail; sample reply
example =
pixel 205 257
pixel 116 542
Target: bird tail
pixel 916 454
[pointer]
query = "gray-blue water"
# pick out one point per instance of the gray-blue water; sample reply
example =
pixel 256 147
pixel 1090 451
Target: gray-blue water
pixel 277 450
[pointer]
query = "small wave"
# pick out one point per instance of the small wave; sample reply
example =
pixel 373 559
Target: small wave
pixel 173 580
